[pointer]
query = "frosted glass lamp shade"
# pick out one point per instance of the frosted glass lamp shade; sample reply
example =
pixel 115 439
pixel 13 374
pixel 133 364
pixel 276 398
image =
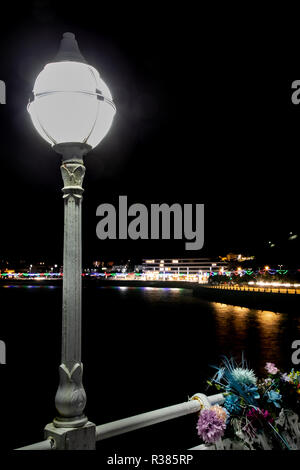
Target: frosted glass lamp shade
pixel 71 103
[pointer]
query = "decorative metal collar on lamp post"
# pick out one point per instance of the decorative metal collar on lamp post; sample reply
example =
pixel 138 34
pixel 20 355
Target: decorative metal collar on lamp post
pixel 72 109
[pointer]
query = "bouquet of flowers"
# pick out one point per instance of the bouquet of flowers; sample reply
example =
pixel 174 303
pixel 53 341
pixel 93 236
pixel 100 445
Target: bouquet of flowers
pixel 257 413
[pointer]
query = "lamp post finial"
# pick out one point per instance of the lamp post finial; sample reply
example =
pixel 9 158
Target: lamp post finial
pixel 69 50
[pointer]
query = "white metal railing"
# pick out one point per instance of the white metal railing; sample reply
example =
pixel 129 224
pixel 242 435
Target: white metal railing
pixel 48 444
pixel 115 428
pixel 104 431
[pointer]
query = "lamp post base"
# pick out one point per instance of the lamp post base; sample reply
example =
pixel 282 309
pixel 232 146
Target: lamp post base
pixel 70 398
pixel 70 423
pixel 83 438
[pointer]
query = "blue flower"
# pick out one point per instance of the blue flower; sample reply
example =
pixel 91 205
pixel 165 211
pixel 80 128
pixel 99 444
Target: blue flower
pixel 274 397
pixel 251 391
pixel 232 404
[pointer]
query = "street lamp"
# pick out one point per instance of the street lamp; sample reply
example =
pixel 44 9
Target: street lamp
pixel 72 104
pixel 72 109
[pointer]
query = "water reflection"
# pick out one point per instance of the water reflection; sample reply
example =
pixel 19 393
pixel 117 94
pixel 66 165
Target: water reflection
pixel 231 322
pixel 27 286
pixel 173 324
pixel 266 334
pixel 214 329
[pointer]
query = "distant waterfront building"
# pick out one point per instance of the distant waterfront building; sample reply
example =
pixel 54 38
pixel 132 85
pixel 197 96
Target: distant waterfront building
pixel 119 268
pixel 182 268
pixel 138 268
pixel 98 264
pixel 237 257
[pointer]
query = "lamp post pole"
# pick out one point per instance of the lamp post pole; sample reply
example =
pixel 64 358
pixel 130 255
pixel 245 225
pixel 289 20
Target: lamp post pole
pixel 70 398
pixel 71 428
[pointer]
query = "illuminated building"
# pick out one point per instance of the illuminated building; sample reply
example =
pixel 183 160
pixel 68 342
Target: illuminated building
pixel 191 269
pixel 236 257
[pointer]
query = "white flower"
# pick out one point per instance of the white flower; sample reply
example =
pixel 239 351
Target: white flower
pixel 244 376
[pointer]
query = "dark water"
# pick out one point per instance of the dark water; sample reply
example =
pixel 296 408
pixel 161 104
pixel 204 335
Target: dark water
pixel 143 348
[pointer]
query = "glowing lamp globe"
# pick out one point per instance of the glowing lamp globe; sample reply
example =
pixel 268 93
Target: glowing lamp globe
pixel 71 103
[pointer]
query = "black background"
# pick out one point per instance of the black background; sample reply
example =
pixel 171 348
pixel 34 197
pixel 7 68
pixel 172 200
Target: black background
pixel 204 115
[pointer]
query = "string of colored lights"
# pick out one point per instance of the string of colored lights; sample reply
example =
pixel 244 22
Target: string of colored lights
pixel 242 272
pixel 239 272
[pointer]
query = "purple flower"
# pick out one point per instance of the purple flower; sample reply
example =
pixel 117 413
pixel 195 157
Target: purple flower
pixel 285 377
pixel 258 417
pixel 210 427
pixel 271 368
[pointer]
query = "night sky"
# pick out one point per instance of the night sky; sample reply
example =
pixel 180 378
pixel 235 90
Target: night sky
pixel 204 115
